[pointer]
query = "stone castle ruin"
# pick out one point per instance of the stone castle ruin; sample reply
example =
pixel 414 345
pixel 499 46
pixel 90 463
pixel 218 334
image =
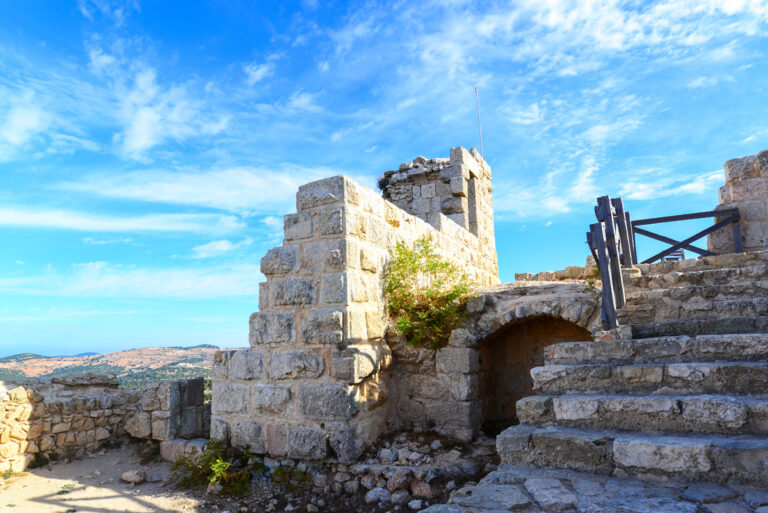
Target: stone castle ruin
pixel 677 392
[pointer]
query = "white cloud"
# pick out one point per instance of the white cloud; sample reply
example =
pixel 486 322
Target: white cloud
pixel 101 279
pixel 664 186
pixel 102 242
pixel 219 247
pixel 22 121
pixel 83 221
pixel 302 100
pixel 153 116
pixel 242 190
pixel 257 72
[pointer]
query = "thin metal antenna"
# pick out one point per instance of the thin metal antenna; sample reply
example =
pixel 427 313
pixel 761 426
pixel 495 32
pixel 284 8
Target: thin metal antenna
pixel 479 126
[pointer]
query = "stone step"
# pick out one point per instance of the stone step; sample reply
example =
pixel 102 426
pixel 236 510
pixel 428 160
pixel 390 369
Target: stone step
pixel 695 308
pixel 732 260
pixel 661 413
pixel 693 293
pixel 721 458
pixel 695 327
pixel 701 348
pixel 648 378
pixel 712 276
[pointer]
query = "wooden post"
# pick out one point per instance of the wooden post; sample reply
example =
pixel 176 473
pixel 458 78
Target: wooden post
pixel 632 239
pixel 621 220
pixel 611 242
pixel 608 301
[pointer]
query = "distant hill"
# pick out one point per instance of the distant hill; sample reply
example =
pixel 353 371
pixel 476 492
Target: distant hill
pixel 134 367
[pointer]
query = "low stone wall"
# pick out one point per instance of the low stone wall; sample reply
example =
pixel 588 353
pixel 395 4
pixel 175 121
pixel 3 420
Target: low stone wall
pixel 746 188
pixel 60 415
pixel 169 410
pixel 312 378
pixel 572 272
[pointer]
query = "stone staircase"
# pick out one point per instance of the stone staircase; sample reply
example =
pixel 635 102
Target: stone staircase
pixel 686 397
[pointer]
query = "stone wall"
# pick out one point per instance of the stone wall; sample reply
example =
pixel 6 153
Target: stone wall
pixel 746 188
pixel 458 187
pixel 60 415
pixel 170 410
pixel 312 378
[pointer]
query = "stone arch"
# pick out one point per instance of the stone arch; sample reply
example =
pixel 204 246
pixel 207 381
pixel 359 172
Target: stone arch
pixel 506 358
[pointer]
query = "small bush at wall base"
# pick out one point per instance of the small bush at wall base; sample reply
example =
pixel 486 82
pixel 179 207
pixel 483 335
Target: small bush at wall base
pixel 426 294
pixel 218 465
pixel 39 460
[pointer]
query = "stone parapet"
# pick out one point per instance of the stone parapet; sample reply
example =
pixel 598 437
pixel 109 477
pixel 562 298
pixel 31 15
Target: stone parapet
pixel 746 188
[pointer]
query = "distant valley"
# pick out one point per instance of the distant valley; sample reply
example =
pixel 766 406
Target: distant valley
pixel 134 367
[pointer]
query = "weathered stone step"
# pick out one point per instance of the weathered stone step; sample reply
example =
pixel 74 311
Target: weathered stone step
pixel 713 276
pixel 647 378
pixel 662 413
pixel 693 293
pixel 731 260
pixel 720 458
pixel 695 327
pixel 701 348
pixel 695 308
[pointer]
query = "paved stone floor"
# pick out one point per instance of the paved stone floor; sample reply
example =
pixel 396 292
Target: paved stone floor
pixel 527 489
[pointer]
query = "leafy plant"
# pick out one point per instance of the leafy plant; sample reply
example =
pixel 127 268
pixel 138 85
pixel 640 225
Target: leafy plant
pixel 213 465
pixel 592 280
pixel 112 444
pixel 426 294
pixel 148 452
pixel 7 474
pixel 65 489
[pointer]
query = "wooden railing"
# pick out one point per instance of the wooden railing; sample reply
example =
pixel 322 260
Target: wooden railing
pixel 612 241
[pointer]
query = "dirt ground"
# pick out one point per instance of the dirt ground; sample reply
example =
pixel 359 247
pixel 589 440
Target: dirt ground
pixel 93 485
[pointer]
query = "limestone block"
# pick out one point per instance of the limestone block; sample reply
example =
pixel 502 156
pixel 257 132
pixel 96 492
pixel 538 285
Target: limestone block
pixel 750 189
pixel 755 235
pixel 102 434
pixel 428 190
pixel 292 292
pixel 139 425
pixel 721 412
pixel 464 387
pixel 458 186
pixel 219 429
pixel 47 443
pixel 551 494
pixel 221 363
pixel 169 395
pixel 271 328
pixel 297 226
pixel 324 256
pixel 327 402
pixel 248 434
pixel 295 363
pixel 306 443
pixel 741 168
pixel 762 162
pixel 330 222
pixel 369 260
pixel 454 360
pixel 18 395
pixel 276 440
pixel 578 408
pixel 267 399
pixel 376 325
pixel 357 362
pixel 673 456
pixel 356 329
pixel 172 450
pixel 322 192
pixel 492 497
pixel 165 425
pixel 462 338
pixel 333 289
pixel 229 397
pixel 347 445
pixel 246 364
pixel 280 260
pixel 448 415
pixel 322 326
pixel 192 391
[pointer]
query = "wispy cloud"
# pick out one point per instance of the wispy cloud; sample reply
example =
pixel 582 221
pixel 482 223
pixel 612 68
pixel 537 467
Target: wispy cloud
pixel 84 221
pixel 219 247
pixel 243 190
pixel 101 279
pixel 257 72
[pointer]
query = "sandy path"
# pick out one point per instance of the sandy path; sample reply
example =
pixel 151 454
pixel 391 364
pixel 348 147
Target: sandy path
pixel 93 485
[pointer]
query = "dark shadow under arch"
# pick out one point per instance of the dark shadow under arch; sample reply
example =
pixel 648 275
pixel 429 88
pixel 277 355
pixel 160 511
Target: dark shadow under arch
pixel 506 359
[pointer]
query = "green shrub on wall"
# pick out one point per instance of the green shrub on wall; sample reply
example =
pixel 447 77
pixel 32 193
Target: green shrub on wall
pixel 426 295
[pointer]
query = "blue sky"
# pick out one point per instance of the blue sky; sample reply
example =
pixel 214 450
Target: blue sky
pixel 148 150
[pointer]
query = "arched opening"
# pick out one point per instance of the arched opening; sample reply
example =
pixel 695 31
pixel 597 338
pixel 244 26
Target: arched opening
pixel 506 360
